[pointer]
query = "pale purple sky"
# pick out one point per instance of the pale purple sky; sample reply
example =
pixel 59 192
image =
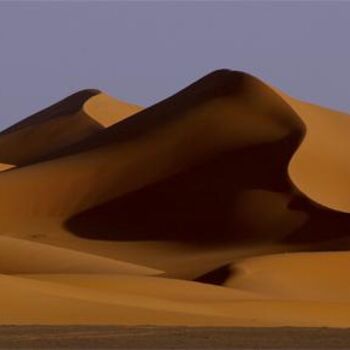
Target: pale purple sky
pixel 144 51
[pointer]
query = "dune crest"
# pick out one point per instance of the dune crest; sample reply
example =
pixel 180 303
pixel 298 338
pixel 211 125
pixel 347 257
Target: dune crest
pixel 63 124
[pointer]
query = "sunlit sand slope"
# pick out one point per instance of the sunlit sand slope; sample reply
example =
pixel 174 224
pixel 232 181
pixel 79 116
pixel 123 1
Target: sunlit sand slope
pixel 21 256
pixel 321 166
pixel 79 299
pixel 314 276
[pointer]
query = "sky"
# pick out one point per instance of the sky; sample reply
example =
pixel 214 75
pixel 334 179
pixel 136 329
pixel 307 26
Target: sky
pixel 144 51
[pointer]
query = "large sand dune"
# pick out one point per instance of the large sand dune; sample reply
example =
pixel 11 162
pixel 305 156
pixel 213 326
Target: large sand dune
pixel 204 190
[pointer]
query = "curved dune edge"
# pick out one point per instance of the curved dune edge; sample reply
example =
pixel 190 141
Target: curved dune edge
pixel 317 276
pixel 320 167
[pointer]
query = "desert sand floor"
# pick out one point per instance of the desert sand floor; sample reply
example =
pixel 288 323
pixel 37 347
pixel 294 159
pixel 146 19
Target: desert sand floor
pixel 150 337
pixel 227 204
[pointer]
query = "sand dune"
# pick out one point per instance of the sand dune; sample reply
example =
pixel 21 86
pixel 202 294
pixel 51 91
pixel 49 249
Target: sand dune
pixel 60 125
pixel 21 256
pixel 78 299
pixel 321 276
pixel 211 184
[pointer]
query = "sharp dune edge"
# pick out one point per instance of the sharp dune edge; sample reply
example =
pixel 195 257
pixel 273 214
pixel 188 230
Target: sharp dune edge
pixel 226 204
pixel 4 166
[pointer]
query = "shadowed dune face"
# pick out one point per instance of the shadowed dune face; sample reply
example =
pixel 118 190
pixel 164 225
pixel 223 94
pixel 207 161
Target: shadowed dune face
pixel 219 196
pixel 46 131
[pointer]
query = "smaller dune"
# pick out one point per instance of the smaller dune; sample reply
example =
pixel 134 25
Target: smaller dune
pixel 25 301
pixel 138 300
pixel 61 125
pixel 173 290
pixel 316 276
pixel 20 256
